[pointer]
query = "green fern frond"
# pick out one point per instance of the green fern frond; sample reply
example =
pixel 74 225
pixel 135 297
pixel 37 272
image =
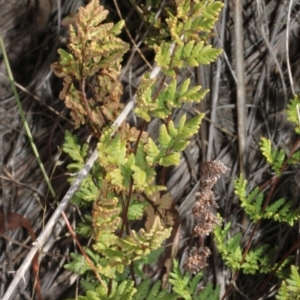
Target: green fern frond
pixel 290 288
pixel 78 264
pixel 293 112
pixel 122 291
pixel 295 158
pixel 76 151
pixel 134 246
pixel 252 203
pixel 240 188
pixel 280 210
pixel 274 157
pixel 145 105
pixel 209 293
pixel 180 282
pixel 85 229
pixel 143 289
pixel 254 260
pixel 186 287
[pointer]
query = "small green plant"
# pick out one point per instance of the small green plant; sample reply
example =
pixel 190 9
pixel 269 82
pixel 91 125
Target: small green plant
pixel 187 288
pixel 258 207
pixel 121 187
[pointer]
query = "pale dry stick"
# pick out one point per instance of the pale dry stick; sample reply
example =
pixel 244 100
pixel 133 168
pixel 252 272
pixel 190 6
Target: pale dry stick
pixel 241 95
pixel 224 54
pixel 252 126
pixel 287 47
pixel 213 115
pixel 58 3
pixel 271 50
pixel 62 205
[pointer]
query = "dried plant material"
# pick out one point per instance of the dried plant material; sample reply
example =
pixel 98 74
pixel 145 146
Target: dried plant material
pixel 197 259
pixel 95 52
pixel 210 173
pixel 205 220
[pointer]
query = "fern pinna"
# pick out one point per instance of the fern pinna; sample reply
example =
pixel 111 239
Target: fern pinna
pixel 121 187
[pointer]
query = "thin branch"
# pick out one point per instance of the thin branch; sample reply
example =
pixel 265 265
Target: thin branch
pixel 241 95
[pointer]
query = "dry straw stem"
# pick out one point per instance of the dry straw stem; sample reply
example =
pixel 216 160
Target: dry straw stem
pixel 241 97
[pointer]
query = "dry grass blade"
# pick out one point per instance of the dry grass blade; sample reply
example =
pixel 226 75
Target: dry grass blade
pixel 241 97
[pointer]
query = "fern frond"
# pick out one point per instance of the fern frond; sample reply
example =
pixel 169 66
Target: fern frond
pixel 94 49
pixel 290 288
pixel 209 293
pixel 274 157
pixel 76 151
pixel 293 112
pixel 180 282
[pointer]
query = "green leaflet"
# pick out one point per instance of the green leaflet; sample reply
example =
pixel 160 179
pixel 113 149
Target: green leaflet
pixel 186 287
pixel 290 288
pixel 274 157
pixel 293 112
pixel 74 150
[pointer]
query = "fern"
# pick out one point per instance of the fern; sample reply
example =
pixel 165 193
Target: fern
pixel 252 203
pixel 290 288
pixel 122 251
pixel 209 293
pixel 180 282
pixel 186 288
pixel 122 291
pixel 295 158
pixel 259 259
pixel 280 210
pixel 293 112
pixel 274 157
pixel 121 186
pixel 146 292
pixel 94 49
pixel 76 151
